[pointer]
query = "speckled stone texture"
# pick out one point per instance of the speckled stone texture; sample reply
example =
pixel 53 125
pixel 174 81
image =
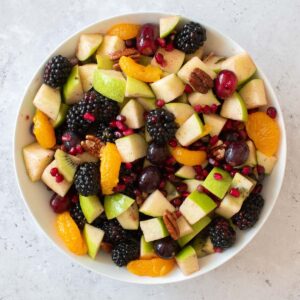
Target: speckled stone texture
pixel 30 268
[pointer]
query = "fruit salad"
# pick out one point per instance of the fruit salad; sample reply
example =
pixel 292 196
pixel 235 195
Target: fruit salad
pixel 154 149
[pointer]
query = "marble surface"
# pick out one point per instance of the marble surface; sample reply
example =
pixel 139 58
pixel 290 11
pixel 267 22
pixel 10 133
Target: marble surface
pixel 30 268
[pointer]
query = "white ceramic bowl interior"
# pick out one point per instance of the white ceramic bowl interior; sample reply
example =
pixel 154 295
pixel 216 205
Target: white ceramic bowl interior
pixel 36 196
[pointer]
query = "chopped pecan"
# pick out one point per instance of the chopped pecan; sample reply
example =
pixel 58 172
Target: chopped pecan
pixel 130 52
pixel 92 145
pixel 201 81
pixel 218 151
pixel 106 247
pixel 171 224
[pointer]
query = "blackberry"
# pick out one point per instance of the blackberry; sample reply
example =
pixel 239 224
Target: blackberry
pixel 77 215
pixel 105 133
pixel 114 232
pixel 102 109
pixel 87 179
pixel 161 125
pixel 221 233
pixel 57 71
pixel 125 252
pixel 190 38
pixel 249 213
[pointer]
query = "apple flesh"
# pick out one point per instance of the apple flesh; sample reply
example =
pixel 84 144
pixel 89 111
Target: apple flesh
pixel 110 83
pixel 181 111
pixel 133 111
pixel 214 62
pixel 48 100
pixel 131 147
pixel 36 160
pixel 88 44
pixel 91 207
pixel 167 25
pixel 146 249
pixel 183 226
pixel 93 237
pixel 72 89
pixel 136 88
pixel 268 162
pixel 196 206
pixel 215 122
pixel 203 99
pixel 254 94
pixel 187 260
pixel 104 62
pixel 110 44
pixel 198 53
pixel 147 103
pixel 192 184
pixel 171 191
pixel 153 229
pixel 61 115
pixel 116 204
pixel 251 160
pixel 186 172
pixel 129 219
pixel 234 108
pixel 86 73
pixel 168 88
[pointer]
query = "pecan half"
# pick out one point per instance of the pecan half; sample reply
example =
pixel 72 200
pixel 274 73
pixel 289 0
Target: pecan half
pixel 171 224
pixel 201 81
pixel 92 145
pixel 130 52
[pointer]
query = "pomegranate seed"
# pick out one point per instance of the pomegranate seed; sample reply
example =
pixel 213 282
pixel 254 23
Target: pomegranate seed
pixel 218 250
pixel 178 213
pixel 128 132
pixel 170 169
pixel 161 42
pixel 188 89
pixel 206 110
pixel 257 189
pixel 272 112
pixel 89 117
pixel 120 187
pixel 227 167
pixel 121 118
pixel 218 176
pixel 214 108
pixel 213 162
pixel 199 176
pixel 198 108
pixel 243 134
pixel 169 47
pixel 75 198
pixel 162 185
pixel 127 179
pixel 202 148
pixel 112 124
pixel 118 134
pixel 200 189
pixel 121 126
pixel 185 194
pixel 159 58
pixel 260 169
pixel 170 161
pixel 73 151
pixel 128 166
pixel 181 187
pixel 228 125
pixel 198 169
pixel 160 103
pixel 233 172
pixel 63 148
pixel 137 192
pixel 173 143
pixel 246 170
pixel 205 173
pixel 66 137
pixel 59 178
pixel 214 139
pixel 234 192
pixel 79 149
pixel 177 202
pixel 54 171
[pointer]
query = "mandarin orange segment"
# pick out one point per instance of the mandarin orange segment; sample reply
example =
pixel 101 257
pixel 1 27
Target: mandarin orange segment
pixel 155 267
pixel 124 31
pixel 109 168
pixel 144 73
pixel 43 130
pixel 264 132
pixel 188 157
pixel 69 232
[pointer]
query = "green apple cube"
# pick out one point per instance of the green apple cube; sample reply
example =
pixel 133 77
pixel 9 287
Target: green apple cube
pixel 241 65
pixel 116 204
pixel 133 111
pixel 72 89
pixel 36 159
pixel 86 73
pixel 93 237
pixel 208 246
pixel 110 44
pixel 254 94
pixel 136 88
pixel 184 226
pixel 181 111
pixel 88 44
pixel 173 60
pixel 186 172
pixel 198 53
pixel 209 98
pixel 196 206
pixel 214 62
pixel 198 244
pixel 251 160
pixel 154 229
pixel 185 72
pixel 167 25
pixel 129 219
pixel 218 187
pixel 190 131
pixel 61 115
pixel 230 205
pixel 91 207
pixel 234 108
pixel 148 138
pixel 60 188
pixel 187 260
pixel 131 147
pixel 48 100
pixel 110 83
pixel 156 205
pixel 104 62
pixel 192 184
pixel 86 157
pixel 147 103
pixel 268 162
pixel 146 249
pixel 171 191
pixel 168 88
pixel 215 122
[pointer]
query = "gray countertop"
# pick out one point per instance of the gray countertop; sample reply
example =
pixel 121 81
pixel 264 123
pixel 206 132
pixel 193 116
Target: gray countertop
pixel 30 268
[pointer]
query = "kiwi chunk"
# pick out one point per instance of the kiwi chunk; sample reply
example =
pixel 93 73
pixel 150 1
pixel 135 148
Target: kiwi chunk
pixel 67 164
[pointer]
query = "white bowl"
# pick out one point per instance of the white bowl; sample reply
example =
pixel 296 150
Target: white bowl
pixel 36 196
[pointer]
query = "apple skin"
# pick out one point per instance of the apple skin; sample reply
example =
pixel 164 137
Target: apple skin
pixel 154 229
pixel 91 207
pixel 133 111
pixel 104 62
pixel 181 111
pixel 167 25
pixel 86 73
pixel 61 115
pixel 136 88
pixel 88 44
pixel 116 204
pixel 187 260
pixel 93 237
pixel 146 249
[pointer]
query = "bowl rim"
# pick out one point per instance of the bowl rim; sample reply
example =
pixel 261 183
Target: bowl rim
pixel 258 227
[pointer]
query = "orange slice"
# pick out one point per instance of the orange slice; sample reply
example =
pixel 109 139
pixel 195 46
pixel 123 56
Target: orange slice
pixel 155 267
pixel 188 157
pixel 109 168
pixel 124 31
pixel 264 132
